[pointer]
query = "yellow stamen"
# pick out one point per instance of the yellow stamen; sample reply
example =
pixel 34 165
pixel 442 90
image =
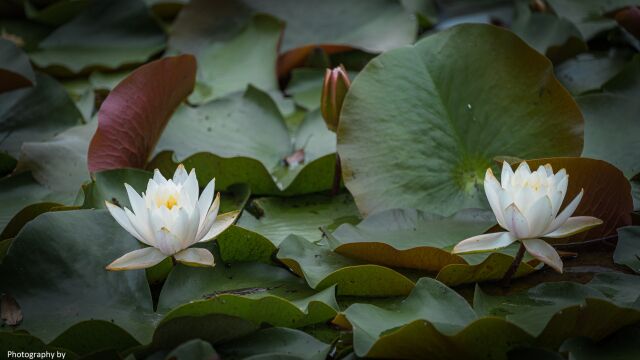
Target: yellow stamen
pixel 171 202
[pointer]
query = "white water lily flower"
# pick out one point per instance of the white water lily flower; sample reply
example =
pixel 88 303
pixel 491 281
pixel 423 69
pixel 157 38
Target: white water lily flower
pixel 169 218
pixel 527 205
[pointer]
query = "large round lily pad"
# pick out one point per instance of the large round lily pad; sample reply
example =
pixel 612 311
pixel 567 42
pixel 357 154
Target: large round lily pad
pixel 440 111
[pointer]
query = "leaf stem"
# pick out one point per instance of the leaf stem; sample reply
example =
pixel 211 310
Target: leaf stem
pixel 506 280
pixel 337 176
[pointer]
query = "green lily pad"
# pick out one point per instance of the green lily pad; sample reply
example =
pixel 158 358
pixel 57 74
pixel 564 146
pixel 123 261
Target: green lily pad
pixel 56 13
pixel 589 16
pixel 276 343
pixel 244 138
pixel 406 238
pixel 92 336
pixel 435 317
pixel 621 345
pixel 23 196
pixel 107 34
pixel 556 37
pixel 60 163
pixel 627 251
pixel 195 349
pixel 58 261
pixel 588 72
pixel 436 126
pixel 249 57
pixel 15 69
pixel 374 26
pixel 613 113
pixel 83 95
pixel 35 114
pixel 323 268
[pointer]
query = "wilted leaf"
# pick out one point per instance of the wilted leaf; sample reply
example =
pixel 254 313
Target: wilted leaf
pixel 11 313
pixel 436 125
pixel 135 113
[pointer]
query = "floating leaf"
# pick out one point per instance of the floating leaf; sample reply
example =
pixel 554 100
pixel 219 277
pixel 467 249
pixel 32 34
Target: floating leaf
pixel 613 114
pixel 323 268
pixel 35 114
pixel 551 35
pixel 129 130
pixel 436 126
pixel 15 69
pixel 19 194
pixel 588 72
pixel 370 25
pixel 59 163
pixel 87 337
pixel 416 240
pixel 243 138
pixel 248 58
pixel 277 343
pixel 623 344
pixel 434 317
pixel 56 13
pixel 106 34
pixel 589 15
pixel 628 249
pixel 67 253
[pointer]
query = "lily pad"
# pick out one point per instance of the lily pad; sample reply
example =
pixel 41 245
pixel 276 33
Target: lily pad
pixel 405 238
pixel 277 343
pixel 249 57
pixel 59 163
pixel 612 114
pixel 35 114
pixel 627 251
pixel 436 126
pixel 322 268
pixel 556 37
pixel 621 345
pixel 107 34
pixel 67 253
pixel 589 15
pixel 434 317
pixel 588 72
pixel 15 69
pixel 371 25
pixel 24 198
pixel 125 139
pixel 244 138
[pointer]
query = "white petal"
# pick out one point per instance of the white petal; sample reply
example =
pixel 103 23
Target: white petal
pixel 209 219
pixel 221 224
pixel 137 259
pixel 507 174
pixel 493 189
pixel 158 178
pixel 523 170
pixel 556 198
pixel 204 202
pixel 136 201
pixel 566 213
pixel 190 190
pixel 544 252
pixel 548 169
pixel 539 216
pixel 141 227
pixel 516 222
pixel 195 257
pixel 180 175
pixel 167 242
pixel 484 242
pixel 120 216
pixel 574 225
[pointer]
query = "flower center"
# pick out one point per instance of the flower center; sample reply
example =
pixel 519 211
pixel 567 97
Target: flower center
pixel 171 202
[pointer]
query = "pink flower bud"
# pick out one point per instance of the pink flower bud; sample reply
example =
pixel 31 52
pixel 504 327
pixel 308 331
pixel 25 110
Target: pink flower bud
pixel 336 84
